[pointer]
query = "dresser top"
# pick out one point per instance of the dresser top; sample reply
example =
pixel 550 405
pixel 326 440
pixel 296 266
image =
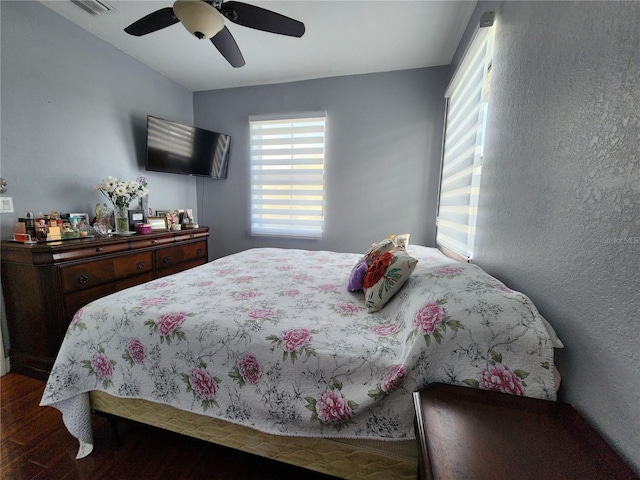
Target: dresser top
pixel 50 252
pixel 73 243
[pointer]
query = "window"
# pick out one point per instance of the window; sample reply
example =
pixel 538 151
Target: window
pixel 287 174
pixel 467 101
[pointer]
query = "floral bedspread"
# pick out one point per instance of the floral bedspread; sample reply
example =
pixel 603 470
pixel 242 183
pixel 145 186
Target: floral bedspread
pixel 272 339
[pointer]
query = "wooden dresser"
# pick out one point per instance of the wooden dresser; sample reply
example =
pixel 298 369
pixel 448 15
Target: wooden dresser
pixel 44 284
pixel 466 433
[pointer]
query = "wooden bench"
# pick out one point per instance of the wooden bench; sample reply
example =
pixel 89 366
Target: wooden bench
pixel 466 433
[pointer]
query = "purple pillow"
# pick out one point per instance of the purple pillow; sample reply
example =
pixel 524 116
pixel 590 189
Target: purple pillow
pixel 357 276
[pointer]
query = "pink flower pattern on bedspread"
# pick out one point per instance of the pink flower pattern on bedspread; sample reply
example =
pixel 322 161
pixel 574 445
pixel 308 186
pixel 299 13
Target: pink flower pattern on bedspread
pixel 169 322
pixel 333 407
pixel 428 317
pixel 136 351
pixel 501 379
pixel 102 366
pixel 203 384
pixel 295 338
pixel 250 369
pixel 272 339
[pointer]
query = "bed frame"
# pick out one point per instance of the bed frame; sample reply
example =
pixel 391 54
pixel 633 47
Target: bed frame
pixel 343 458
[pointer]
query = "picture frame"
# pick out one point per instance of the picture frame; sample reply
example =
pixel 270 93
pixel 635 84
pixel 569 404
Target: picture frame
pixel 135 216
pixel 158 223
pixel 79 218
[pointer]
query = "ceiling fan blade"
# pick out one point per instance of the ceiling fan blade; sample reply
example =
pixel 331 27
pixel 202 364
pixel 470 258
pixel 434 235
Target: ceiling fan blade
pixel 227 46
pixel 154 21
pixel 261 19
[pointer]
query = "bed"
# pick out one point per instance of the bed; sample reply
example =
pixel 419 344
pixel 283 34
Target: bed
pixel 268 351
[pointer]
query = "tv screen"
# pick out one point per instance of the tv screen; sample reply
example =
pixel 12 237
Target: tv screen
pixel 176 148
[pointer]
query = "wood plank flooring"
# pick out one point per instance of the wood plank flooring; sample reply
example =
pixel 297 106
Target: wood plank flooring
pixel 35 445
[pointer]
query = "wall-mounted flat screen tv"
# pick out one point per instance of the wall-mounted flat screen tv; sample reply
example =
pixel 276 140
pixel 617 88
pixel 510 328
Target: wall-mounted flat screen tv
pixel 177 148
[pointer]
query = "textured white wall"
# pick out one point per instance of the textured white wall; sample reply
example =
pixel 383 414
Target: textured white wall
pixel 559 213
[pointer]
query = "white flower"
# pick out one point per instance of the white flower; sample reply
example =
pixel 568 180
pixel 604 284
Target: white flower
pixel 121 192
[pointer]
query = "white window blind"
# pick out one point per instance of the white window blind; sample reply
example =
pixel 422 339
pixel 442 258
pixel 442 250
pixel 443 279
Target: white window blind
pixel 467 100
pixel 287 174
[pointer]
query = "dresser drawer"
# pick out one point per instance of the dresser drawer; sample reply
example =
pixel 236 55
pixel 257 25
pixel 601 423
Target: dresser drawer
pixel 91 251
pixel 195 250
pixel 143 242
pixel 73 301
pixel 170 256
pixel 90 274
pixel 180 267
pixel 186 235
pixel 128 265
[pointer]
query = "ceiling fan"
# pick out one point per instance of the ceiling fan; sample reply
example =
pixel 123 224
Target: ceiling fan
pixel 205 19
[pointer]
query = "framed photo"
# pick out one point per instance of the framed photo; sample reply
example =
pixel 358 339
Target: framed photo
pixel 162 213
pixel 80 218
pixel 158 223
pixel 135 216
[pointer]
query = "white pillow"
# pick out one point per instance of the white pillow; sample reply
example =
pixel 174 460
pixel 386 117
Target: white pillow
pixel 385 277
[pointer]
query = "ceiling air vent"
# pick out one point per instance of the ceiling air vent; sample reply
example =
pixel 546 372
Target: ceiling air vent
pixel 94 7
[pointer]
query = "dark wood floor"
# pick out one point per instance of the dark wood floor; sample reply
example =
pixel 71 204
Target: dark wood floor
pixel 34 445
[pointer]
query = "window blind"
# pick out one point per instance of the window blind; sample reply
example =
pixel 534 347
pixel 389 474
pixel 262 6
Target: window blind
pixel 466 114
pixel 287 174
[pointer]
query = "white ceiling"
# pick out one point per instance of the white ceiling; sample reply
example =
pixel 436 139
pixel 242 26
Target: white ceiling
pixel 341 38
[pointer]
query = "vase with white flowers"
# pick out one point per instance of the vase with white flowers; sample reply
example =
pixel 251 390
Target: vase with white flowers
pixel 121 193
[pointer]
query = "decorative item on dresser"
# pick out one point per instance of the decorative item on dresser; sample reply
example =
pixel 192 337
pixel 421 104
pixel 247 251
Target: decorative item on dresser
pixel 158 223
pixel 45 284
pixel 121 193
pixel 135 217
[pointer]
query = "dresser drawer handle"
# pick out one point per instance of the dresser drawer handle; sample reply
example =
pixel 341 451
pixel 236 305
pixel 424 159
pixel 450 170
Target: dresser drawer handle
pixel 166 259
pixel 140 265
pixel 198 251
pixel 154 241
pixel 99 249
pixel 83 278
pixel 192 236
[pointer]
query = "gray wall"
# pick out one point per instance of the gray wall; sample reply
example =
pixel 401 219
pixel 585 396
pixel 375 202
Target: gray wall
pixel 383 144
pixel 74 111
pixel 559 212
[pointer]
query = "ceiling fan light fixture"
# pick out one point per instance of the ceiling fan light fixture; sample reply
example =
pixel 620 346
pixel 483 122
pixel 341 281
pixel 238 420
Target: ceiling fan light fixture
pixel 201 19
